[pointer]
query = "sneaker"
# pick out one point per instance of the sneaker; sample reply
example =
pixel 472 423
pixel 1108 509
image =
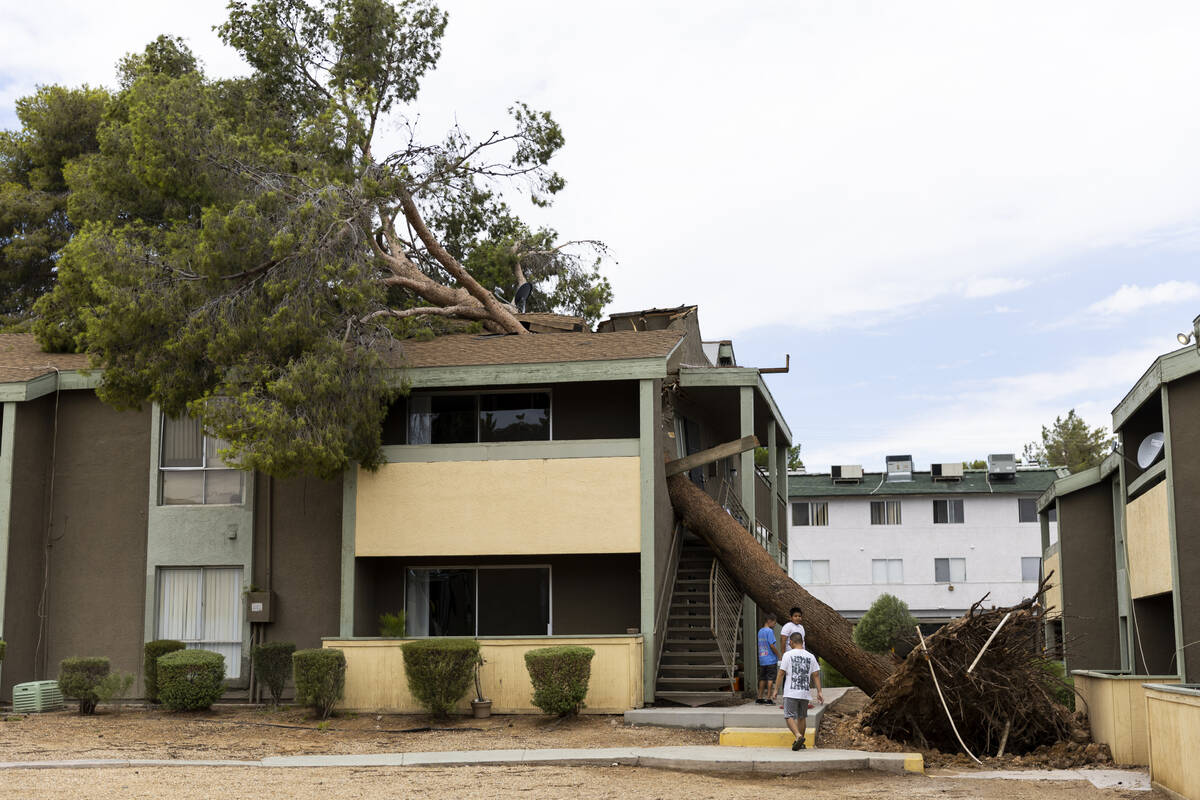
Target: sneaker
pixel 762 701
pixel 798 744
pixel 802 746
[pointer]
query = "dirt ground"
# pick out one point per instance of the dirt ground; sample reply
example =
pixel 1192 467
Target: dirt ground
pixel 537 783
pixel 245 733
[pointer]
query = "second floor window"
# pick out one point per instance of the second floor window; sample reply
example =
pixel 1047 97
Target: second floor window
pixel 809 572
pixel 810 513
pixel 1031 568
pixel 191 470
pixel 885 512
pixel 1026 509
pixel 949 570
pixel 947 511
pixel 488 417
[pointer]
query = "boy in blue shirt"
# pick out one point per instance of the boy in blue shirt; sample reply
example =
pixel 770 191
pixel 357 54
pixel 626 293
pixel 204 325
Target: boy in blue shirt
pixel 768 661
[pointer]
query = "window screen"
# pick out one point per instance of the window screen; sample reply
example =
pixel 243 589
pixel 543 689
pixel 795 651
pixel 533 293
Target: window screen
pixel 1027 509
pixel 947 511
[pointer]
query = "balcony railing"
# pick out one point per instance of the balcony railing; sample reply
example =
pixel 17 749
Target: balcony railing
pixel 774 545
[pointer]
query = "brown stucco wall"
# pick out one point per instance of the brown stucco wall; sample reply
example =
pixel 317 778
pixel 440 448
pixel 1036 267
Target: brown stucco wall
pixel 301 558
pixel 95 595
pixel 1154 642
pixel 1183 397
pixel 590 594
pixel 1086 544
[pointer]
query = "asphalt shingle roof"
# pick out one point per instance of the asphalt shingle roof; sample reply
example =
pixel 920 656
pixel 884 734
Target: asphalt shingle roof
pixel 1027 481
pixel 460 350
pixel 22 360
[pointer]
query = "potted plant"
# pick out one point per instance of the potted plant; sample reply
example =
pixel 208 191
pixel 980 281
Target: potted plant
pixel 481 707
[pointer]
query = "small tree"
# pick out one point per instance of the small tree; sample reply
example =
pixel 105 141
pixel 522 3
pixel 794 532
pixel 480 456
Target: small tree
pixel 272 664
pixel 1070 443
pixel 79 678
pixel 884 623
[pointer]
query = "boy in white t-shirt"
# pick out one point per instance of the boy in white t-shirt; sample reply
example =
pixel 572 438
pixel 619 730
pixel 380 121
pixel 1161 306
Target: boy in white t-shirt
pixel 794 626
pixel 799 672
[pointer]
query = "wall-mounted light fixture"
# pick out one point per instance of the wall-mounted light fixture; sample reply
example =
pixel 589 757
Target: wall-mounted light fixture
pixel 1194 336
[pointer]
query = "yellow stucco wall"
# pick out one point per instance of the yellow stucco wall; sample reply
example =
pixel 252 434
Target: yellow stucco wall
pixel 1054 587
pixel 1173 722
pixel 1149 543
pixel 375 678
pixel 505 507
pixel 1116 709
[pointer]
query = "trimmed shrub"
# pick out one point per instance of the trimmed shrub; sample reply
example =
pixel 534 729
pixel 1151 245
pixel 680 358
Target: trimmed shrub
pixel 78 678
pixel 272 665
pixel 320 676
pixel 439 671
pixel 391 625
pixel 830 677
pixel 884 625
pixel 151 653
pixel 190 680
pixel 113 687
pixel 560 677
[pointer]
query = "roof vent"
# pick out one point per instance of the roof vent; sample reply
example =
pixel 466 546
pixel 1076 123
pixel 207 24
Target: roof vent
pixel 1002 466
pixel 846 473
pixel 899 469
pixel 952 471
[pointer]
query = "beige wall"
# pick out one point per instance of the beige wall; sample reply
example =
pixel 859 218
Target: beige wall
pixel 1148 540
pixel 1173 725
pixel 502 507
pixel 375 679
pixel 1054 600
pixel 1116 709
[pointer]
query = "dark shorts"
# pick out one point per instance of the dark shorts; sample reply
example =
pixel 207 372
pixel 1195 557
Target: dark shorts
pixel 794 708
pixel 767 672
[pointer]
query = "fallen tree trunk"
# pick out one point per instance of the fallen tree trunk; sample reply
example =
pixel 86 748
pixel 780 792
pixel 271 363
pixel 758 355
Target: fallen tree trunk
pixel 769 586
pixel 998 690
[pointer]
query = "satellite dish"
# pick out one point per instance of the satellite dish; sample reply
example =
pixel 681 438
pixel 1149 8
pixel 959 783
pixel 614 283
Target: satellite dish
pixel 523 292
pixel 1150 449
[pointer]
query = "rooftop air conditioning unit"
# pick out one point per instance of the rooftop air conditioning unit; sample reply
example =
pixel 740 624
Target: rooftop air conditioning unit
pixel 846 473
pixel 899 468
pixel 37 696
pixel 952 471
pixel 1002 466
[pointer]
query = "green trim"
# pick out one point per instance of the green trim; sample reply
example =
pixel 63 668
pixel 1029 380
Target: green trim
pixel 550 372
pixel 349 505
pixel 510 451
pixel 484 639
pixel 647 436
pixel 8 427
pixel 67 379
pixel 1080 480
pixel 1166 368
pixel 1124 601
pixel 1132 639
pixel 1150 476
pixel 735 376
pixel 1176 599
pixel 746 417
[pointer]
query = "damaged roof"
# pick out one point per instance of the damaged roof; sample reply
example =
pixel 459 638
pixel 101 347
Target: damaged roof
pixel 460 350
pixel 21 359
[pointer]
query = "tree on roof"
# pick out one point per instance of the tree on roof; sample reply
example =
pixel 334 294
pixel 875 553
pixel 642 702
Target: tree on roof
pixel 244 248
pixel 1070 443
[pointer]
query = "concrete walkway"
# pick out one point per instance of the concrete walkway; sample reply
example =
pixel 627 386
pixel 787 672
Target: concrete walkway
pixel 745 715
pixel 706 758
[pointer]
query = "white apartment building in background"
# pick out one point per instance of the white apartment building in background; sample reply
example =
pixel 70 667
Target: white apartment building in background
pixel 938 539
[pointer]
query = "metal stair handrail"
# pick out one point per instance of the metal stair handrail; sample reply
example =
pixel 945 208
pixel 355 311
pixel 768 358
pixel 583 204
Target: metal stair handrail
pixel 724 615
pixel 661 623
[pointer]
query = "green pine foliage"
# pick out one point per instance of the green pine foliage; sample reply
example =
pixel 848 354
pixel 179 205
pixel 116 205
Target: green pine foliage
pixel 151 652
pixel 79 678
pixel 439 671
pixel 886 622
pixel 560 677
pixel 320 676
pixel 272 665
pixel 191 680
pixel 1070 443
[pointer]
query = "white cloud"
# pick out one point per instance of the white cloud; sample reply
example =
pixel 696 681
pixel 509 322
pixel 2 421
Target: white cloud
pixel 1130 298
pixel 997 415
pixel 990 287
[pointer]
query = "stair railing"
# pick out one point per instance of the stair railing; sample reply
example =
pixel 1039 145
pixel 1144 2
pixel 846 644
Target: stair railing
pixel 725 615
pixel 662 617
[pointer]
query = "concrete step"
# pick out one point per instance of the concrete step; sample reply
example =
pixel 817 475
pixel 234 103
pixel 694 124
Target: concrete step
pixel 721 681
pixel 765 737
pixel 694 698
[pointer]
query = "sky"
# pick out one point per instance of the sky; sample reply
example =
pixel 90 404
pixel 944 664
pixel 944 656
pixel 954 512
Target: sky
pixel 960 220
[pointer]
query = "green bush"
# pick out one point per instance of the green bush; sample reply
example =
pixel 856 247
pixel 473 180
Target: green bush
pixel 885 623
pixel 392 625
pixel 190 680
pixel 320 678
pixel 560 677
pixel 439 671
pixel 114 686
pixel 830 677
pixel 272 665
pixel 78 678
pixel 151 653
pixel 1060 684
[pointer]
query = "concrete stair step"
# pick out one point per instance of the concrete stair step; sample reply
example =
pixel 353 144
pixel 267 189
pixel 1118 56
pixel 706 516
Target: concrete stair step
pixel 694 698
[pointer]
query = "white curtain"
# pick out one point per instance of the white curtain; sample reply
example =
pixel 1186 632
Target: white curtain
pixel 420 419
pixel 416 605
pixel 201 607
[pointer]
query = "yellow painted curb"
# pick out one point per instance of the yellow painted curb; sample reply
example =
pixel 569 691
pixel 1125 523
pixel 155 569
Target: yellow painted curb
pixel 764 737
pixel 914 762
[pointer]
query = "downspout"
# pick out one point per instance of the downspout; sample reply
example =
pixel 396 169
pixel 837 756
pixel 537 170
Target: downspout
pixel 8 427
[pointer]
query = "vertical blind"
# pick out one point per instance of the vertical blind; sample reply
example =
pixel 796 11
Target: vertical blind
pixel 201 607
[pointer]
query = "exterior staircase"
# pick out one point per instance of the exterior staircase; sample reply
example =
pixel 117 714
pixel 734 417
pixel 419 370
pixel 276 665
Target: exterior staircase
pixel 692 671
